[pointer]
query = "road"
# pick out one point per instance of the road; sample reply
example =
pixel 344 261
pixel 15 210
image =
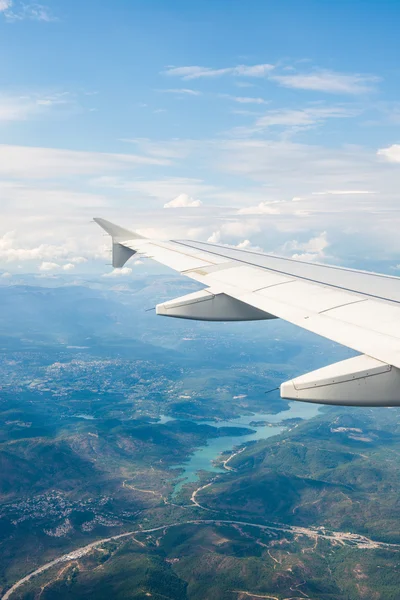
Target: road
pixel 225 462
pixel 343 538
pixel 193 496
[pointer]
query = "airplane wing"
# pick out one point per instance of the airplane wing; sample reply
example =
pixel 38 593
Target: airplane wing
pixel 357 309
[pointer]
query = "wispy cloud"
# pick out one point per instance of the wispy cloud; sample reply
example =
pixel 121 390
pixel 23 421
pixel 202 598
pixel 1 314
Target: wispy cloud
pixel 196 72
pixel 38 163
pixel 244 112
pixel 244 84
pixel 342 193
pixel 23 107
pixel 321 80
pixel 181 91
pixel 244 99
pixel 21 11
pixel 162 189
pixel 328 81
pixel 264 208
pixel 303 117
pixel 173 148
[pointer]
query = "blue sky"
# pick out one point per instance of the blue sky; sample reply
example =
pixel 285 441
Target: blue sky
pixel 269 123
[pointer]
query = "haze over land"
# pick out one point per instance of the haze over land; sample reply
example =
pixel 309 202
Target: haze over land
pixel 100 400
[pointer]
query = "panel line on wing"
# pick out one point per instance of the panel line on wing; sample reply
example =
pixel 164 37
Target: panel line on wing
pixel 199 255
pixel 213 269
pixel 266 287
pixel 293 260
pixel 331 285
pixel 341 305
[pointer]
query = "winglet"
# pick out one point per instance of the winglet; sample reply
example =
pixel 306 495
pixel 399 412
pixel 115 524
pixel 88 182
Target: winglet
pixel 120 252
pixel 117 233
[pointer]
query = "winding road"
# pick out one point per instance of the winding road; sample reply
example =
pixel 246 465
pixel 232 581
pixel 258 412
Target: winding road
pixel 355 540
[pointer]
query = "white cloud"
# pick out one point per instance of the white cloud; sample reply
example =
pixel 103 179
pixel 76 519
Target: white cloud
pixel 215 237
pixel 247 245
pixel 6 275
pixel 231 231
pixel 391 154
pixel 244 175
pixel 264 208
pixel 9 252
pixel 312 250
pixel 196 72
pixel 49 266
pixel 124 272
pixel 183 201
pixel 328 81
pixel 14 250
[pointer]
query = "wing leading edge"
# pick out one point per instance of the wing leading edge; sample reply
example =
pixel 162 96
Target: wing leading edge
pixel 354 308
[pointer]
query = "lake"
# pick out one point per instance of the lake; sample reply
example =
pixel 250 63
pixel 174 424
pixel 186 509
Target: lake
pixel 202 459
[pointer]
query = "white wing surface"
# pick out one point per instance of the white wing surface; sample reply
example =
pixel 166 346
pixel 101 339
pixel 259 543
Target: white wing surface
pixel 357 309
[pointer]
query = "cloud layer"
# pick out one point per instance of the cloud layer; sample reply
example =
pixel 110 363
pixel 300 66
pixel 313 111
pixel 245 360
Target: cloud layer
pixel 282 167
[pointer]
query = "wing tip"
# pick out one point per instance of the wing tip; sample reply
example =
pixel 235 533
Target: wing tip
pixel 117 233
